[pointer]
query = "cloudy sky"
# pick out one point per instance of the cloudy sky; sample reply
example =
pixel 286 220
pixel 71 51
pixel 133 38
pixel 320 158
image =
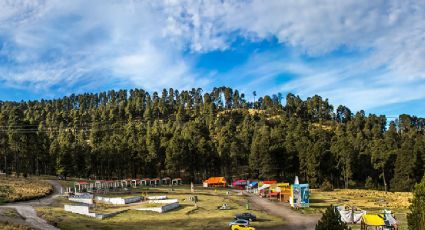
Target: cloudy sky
pixel 364 54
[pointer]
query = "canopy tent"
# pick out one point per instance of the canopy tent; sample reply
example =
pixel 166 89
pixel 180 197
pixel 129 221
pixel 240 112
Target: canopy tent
pixel 269 182
pixel 263 187
pixel 378 220
pixel 253 184
pixel 350 215
pixel 284 190
pixel 240 184
pixel 215 182
pixel 373 220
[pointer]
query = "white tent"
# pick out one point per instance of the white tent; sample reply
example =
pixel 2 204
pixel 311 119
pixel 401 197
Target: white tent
pixel 263 187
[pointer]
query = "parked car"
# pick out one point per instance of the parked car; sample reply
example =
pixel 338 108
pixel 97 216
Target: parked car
pixel 239 221
pixel 241 227
pixel 246 216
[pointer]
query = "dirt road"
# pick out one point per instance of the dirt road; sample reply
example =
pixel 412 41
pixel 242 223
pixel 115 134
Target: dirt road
pixel 293 220
pixel 27 211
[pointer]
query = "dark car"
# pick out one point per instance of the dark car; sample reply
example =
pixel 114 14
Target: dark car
pixel 246 216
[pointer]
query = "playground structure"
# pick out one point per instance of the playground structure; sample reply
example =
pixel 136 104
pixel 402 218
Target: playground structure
pixel 300 196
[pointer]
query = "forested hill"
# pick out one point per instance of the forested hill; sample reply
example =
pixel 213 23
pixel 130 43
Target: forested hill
pixel 193 134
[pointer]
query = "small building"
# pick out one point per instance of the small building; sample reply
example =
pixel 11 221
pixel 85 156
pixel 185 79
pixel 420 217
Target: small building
pixel 166 181
pixel 215 182
pixel 155 181
pixel 134 182
pixel 81 186
pixel 177 181
pixel 300 196
pixel 145 181
pixel 284 190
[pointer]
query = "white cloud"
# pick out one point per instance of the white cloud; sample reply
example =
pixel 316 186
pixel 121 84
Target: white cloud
pixel 146 44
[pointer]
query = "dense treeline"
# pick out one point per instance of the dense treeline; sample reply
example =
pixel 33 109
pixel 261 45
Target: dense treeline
pixel 191 134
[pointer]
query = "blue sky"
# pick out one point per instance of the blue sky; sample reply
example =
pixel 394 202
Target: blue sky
pixel 363 54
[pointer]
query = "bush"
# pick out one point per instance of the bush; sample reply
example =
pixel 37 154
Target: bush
pixel 369 184
pixel 331 220
pixel 416 219
pixel 327 186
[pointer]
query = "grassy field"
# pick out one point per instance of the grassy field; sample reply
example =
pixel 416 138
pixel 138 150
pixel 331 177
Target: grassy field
pixel 188 216
pixel 18 189
pixel 370 200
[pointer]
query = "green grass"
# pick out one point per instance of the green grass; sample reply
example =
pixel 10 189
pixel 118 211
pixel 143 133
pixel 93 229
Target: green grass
pixel 188 216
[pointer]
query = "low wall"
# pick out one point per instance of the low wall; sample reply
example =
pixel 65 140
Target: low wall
pixel 85 210
pixel 85 198
pixel 167 201
pixel 162 209
pixel 118 200
pixel 156 197
pixel 79 209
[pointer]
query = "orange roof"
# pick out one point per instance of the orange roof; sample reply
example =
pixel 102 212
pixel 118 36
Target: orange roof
pixel 216 180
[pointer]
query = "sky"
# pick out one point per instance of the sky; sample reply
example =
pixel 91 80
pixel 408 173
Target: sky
pixel 364 54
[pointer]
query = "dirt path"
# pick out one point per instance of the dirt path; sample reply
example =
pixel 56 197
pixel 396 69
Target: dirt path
pixel 293 220
pixel 27 211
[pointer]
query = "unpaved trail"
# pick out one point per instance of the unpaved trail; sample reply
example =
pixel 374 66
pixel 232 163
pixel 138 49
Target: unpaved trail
pixel 27 211
pixel 293 220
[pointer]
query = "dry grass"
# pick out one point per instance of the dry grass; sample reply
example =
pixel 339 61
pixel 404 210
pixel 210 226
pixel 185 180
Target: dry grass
pixel 188 216
pixel 18 189
pixel 10 212
pixel 370 200
pixel 10 226
pixel 362 198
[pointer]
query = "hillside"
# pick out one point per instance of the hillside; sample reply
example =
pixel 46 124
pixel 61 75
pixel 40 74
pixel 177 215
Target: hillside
pixel 194 135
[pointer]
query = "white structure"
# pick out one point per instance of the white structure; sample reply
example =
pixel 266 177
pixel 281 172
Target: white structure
pixel 176 181
pixel 85 198
pixel 145 181
pixel 155 181
pixel 156 197
pixel 166 181
pixel 162 209
pixel 167 201
pixel 85 210
pixel 118 200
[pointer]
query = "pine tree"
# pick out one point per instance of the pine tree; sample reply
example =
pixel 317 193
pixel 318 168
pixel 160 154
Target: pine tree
pixel 404 172
pixel 416 219
pixel 331 220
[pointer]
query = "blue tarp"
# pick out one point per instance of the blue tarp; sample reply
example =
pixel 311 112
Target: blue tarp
pixel 253 184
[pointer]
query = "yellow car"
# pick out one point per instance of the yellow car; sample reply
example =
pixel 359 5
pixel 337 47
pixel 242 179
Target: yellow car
pixel 241 227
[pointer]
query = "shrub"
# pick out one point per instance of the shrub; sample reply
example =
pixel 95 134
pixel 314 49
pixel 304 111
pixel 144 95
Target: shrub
pixel 327 186
pixel 416 219
pixel 331 220
pixel 369 184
